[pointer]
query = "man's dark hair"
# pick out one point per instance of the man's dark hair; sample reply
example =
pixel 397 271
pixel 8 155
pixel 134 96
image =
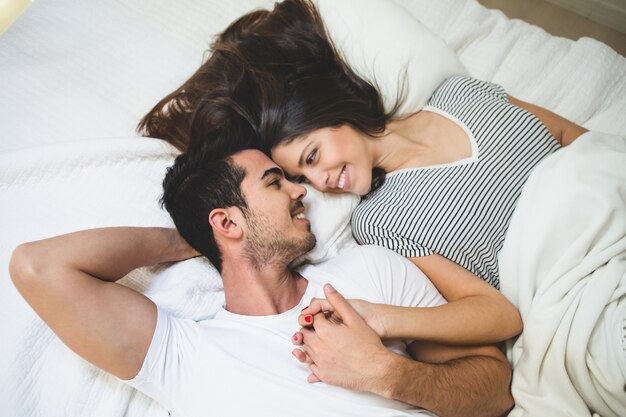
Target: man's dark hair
pixel 196 184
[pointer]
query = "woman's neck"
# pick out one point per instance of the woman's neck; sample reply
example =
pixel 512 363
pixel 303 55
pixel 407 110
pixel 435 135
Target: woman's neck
pixel 404 141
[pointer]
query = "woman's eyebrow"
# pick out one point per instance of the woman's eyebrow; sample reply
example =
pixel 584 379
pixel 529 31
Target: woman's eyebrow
pixel 301 160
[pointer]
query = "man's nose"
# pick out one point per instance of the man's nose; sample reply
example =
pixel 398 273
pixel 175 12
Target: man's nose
pixel 298 191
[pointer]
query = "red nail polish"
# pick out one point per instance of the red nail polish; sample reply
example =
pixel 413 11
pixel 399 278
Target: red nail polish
pixel 295 338
pixel 305 308
pixel 308 319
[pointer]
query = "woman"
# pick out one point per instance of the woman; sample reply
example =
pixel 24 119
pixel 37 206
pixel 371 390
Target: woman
pixel 454 170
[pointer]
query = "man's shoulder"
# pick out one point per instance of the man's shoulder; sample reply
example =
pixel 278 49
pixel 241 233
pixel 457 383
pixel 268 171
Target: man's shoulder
pixel 363 256
pixel 376 250
pixel 370 253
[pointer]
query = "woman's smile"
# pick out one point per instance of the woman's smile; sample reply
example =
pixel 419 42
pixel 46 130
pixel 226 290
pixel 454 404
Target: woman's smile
pixel 344 180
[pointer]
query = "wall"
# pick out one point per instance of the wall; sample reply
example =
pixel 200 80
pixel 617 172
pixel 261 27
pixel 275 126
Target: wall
pixel 611 13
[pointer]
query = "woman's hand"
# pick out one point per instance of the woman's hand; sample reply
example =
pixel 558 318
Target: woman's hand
pixel 372 313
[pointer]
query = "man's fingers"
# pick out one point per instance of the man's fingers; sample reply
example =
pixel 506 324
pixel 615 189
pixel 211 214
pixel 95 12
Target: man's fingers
pixel 340 305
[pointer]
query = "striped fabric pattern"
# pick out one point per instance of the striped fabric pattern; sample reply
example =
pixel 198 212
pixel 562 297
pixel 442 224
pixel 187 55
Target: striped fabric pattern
pixel 460 210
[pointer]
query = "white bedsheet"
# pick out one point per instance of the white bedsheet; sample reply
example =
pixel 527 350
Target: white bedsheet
pixel 564 265
pixel 84 71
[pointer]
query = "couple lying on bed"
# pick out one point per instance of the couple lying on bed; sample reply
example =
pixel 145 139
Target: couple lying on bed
pixel 454 172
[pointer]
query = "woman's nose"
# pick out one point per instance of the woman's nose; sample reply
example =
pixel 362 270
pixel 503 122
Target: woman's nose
pixel 319 180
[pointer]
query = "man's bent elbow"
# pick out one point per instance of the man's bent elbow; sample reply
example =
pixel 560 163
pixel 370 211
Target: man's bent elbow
pixel 22 266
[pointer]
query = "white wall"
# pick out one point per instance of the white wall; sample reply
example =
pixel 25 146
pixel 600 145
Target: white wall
pixel 611 13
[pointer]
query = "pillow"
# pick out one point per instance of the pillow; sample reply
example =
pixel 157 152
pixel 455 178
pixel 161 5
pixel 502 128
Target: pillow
pixel 329 215
pixel 382 43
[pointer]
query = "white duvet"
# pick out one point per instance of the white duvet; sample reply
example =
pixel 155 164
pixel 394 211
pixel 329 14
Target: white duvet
pixel 87 71
pixel 564 265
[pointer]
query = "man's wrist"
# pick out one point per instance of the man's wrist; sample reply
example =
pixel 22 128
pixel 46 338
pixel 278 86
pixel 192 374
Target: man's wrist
pixel 387 366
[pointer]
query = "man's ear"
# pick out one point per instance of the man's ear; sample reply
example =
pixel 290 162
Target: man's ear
pixel 224 223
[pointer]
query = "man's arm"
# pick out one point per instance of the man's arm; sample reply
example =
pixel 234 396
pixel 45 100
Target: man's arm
pixel 460 381
pixel 69 281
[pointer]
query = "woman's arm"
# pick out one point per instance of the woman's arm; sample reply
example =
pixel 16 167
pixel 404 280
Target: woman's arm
pixel 476 312
pixel 562 129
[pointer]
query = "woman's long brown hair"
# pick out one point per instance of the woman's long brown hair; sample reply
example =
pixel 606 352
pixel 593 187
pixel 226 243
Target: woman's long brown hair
pixel 271 77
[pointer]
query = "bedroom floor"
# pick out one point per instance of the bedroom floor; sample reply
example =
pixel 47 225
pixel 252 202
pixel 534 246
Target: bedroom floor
pixel 559 21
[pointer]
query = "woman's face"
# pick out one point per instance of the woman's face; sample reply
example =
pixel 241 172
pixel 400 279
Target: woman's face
pixel 331 159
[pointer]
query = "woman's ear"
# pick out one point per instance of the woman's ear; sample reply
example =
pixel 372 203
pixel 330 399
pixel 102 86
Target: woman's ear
pixel 223 223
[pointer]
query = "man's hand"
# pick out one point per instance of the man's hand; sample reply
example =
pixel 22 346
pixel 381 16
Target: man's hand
pixel 337 351
pixel 181 247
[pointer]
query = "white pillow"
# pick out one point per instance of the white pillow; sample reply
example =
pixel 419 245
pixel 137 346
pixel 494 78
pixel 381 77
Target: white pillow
pixel 329 215
pixel 382 42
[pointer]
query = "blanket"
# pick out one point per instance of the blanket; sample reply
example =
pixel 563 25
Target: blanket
pixel 564 265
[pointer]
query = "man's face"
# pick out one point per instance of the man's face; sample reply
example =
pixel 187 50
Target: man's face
pixel 276 228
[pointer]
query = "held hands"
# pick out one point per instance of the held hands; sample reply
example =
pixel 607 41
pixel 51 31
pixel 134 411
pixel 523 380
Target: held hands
pixel 372 313
pixel 339 346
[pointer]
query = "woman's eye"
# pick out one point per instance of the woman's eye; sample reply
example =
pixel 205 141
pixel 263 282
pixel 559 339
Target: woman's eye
pixel 311 158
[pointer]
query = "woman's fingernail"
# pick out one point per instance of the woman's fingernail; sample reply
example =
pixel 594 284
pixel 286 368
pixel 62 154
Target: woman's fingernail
pixel 295 338
pixel 308 319
pixel 329 288
pixel 305 308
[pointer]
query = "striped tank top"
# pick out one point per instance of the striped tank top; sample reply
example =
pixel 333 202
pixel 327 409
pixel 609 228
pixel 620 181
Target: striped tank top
pixel 460 210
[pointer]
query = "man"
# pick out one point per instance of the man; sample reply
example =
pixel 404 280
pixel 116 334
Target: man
pixel 243 214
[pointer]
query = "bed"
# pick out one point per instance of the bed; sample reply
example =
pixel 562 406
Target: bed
pixel 76 77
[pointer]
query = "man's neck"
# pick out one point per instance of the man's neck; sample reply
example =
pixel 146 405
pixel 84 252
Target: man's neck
pixel 266 291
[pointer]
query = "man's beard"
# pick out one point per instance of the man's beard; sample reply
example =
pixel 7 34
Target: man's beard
pixel 265 245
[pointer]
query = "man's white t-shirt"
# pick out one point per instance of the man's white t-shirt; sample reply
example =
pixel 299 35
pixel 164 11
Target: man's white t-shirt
pixel 235 365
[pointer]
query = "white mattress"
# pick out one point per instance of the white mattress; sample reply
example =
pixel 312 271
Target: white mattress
pixel 76 77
